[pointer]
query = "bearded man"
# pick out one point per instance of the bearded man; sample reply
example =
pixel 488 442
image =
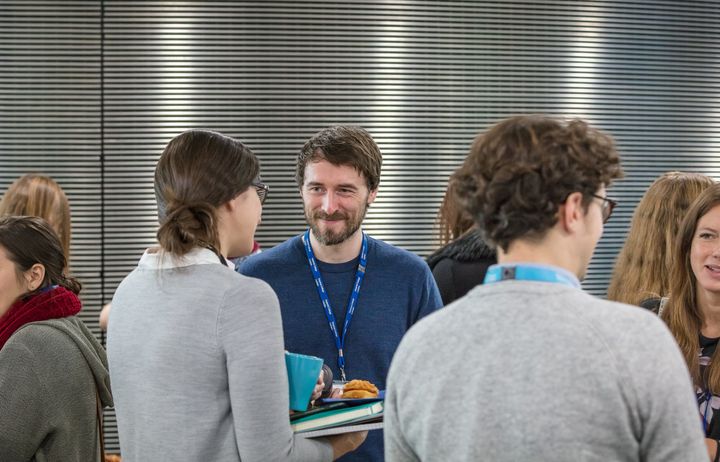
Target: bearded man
pixel 345 297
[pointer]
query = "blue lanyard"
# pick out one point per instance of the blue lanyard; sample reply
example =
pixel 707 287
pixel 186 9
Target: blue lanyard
pixel 352 303
pixel 525 272
pixel 706 423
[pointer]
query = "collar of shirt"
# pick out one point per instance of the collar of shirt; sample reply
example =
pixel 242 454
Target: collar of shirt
pixel 156 259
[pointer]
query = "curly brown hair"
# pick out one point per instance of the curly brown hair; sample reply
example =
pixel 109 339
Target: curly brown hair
pixel 519 172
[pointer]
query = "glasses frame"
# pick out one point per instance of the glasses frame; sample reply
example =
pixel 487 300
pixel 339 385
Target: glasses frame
pixel 608 206
pixel 262 190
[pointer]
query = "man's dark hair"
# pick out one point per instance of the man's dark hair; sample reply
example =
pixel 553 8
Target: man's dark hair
pixel 519 172
pixel 343 145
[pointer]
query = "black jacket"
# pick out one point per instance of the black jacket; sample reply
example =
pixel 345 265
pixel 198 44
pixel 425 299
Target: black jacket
pixel 461 265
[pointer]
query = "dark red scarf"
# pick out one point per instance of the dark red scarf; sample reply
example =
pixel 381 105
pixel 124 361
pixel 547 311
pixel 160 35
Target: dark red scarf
pixel 55 303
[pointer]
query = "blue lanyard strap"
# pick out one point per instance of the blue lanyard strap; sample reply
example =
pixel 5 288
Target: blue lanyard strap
pixel 706 423
pixel 526 272
pixel 352 303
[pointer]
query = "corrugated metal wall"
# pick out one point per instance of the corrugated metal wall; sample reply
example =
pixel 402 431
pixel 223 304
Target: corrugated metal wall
pixel 91 91
pixel 50 116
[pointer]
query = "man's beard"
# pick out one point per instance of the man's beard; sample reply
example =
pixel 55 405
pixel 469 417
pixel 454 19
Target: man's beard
pixel 329 237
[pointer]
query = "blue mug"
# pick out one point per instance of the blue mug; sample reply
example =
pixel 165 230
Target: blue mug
pixel 303 372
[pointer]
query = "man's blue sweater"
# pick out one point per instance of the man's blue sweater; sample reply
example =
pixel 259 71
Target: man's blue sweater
pixel 398 290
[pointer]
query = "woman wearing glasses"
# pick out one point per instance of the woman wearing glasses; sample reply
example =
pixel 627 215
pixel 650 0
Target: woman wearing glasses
pixel 692 311
pixel 191 342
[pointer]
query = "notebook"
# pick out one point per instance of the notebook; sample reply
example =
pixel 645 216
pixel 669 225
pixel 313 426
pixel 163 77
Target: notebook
pixel 342 429
pixel 339 417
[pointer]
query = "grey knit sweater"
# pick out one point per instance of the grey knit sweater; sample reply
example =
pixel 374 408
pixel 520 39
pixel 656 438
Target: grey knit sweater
pixel 197 363
pixel 534 371
pixel 51 374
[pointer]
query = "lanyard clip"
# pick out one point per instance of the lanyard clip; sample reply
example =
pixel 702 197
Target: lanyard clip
pixel 508 272
pixel 342 375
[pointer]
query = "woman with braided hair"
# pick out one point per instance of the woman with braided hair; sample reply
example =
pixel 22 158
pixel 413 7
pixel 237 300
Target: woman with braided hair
pixel 192 344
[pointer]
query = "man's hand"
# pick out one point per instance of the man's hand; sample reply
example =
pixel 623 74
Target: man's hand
pixel 342 444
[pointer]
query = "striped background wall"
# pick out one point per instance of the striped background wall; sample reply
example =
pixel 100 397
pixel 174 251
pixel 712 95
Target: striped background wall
pixel 90 91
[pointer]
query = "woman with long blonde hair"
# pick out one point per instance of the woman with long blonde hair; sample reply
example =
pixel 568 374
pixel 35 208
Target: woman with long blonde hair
pixel 693 310
pixel 40 196
pixel 642 267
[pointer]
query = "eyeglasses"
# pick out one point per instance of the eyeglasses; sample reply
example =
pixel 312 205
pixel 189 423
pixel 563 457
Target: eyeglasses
pixel 262 190
pixel 608 206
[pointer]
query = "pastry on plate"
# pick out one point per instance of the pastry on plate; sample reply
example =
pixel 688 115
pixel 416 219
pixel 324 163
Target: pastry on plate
pixel 359 389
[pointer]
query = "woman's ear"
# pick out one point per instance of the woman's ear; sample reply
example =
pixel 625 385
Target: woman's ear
pixel 34 277
pixel 239 200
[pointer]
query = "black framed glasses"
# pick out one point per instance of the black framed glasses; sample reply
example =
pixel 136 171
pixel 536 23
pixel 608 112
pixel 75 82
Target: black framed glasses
pixel 262 190
pixel 608 205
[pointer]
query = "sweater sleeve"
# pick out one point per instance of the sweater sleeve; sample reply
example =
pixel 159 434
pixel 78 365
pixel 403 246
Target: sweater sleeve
pixel 24 409
pixel 670 427
pixel 253 344
pixel 397 448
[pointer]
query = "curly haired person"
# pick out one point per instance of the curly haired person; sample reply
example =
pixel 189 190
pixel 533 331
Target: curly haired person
pixel 547 371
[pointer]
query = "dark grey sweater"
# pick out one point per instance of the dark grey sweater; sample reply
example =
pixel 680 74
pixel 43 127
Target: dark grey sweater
pixel 49 374
pixel 535 371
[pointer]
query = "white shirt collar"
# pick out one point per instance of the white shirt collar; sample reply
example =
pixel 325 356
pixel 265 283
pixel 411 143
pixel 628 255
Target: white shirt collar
pixel 156 259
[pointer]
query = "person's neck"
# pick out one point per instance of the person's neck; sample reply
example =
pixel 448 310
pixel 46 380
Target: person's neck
pixel 343 252
pixel 709 303
pixel 223 241
pixel 523 251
